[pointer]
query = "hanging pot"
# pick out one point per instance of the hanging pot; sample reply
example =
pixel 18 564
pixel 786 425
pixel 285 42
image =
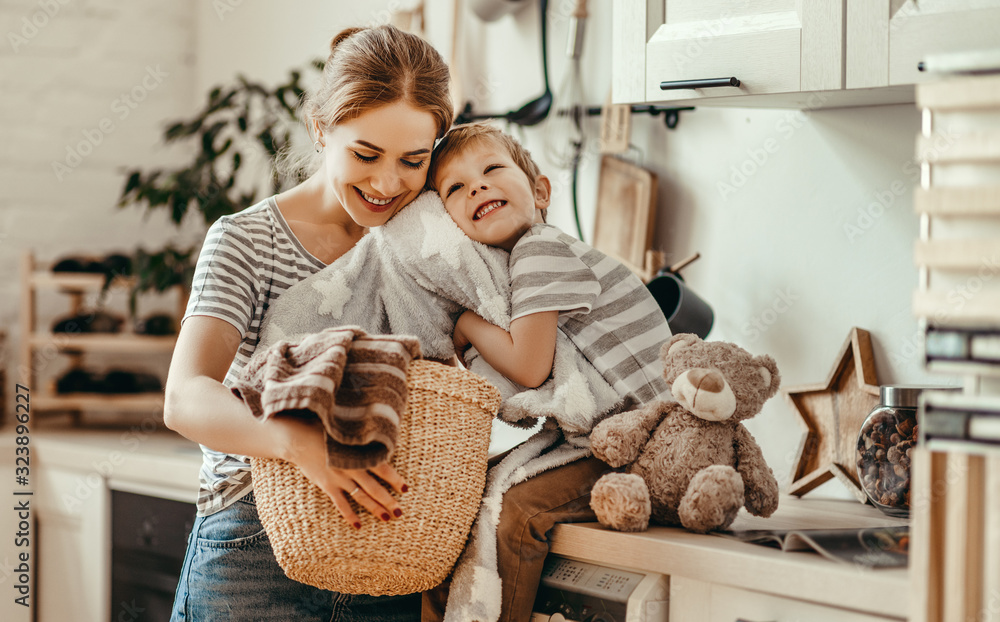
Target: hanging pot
pixel 686 311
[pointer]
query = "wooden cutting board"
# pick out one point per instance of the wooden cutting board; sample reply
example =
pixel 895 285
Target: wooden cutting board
pixel 626 212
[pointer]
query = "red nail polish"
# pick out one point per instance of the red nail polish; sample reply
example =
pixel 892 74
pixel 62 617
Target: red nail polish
pixel 397 512
pixel 405 488
pixel 385 516
pixel 357 525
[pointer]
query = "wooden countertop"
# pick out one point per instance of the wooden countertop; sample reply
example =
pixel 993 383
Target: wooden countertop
pixel 716 559
pixel 144 458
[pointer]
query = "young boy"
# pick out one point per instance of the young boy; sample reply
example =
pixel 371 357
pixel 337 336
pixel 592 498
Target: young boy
pixel 496 194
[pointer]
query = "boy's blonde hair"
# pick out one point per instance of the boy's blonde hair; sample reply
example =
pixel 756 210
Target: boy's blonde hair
pixel 461 137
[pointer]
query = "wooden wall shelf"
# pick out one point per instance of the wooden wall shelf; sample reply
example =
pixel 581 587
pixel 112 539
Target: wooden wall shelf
pixel 111 342
pixel 132 402
pixel 75 346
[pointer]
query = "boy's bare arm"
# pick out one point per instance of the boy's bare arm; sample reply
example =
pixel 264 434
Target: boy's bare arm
pixel 524 355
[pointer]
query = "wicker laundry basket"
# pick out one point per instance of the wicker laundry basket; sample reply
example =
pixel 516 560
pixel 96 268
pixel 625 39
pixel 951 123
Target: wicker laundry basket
pixel 441 453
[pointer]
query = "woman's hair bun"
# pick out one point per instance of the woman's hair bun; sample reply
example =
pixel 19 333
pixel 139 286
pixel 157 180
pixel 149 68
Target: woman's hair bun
pixel 343 34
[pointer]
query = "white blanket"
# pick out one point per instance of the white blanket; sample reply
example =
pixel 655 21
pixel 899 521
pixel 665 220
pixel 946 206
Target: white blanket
pixel 414 276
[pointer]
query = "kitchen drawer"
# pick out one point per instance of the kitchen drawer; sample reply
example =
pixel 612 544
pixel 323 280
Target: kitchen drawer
pixel 730 604
pixel 765 62
pixel 688 50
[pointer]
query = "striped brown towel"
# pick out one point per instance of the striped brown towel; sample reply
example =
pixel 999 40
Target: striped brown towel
pixel 354 383
pixel 302 378
pixel 364 425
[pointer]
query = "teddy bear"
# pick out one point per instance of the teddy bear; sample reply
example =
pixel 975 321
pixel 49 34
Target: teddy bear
pixel 691 462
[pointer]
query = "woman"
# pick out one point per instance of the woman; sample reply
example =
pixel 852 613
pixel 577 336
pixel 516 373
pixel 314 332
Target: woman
pixel 382 101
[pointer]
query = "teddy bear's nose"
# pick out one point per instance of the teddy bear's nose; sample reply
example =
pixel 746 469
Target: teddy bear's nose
pixel 707 380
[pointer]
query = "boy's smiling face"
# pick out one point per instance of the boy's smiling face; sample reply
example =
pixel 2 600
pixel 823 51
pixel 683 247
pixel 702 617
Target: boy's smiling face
pixel 488 196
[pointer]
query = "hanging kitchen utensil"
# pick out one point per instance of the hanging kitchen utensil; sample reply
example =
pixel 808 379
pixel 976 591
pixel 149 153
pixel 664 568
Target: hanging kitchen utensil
pixel 616 126
pixel 564 136
pixel 534 111
pixel 686 311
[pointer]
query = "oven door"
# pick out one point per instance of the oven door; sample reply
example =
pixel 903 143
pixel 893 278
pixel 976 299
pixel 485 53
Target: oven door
pixel 149 537
pixel 575 591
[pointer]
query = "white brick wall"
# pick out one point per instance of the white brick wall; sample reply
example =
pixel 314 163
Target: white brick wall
pixel 62 80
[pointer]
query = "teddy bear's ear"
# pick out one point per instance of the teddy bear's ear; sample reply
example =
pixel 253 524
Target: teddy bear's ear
pixel 768 370
pixel 677 343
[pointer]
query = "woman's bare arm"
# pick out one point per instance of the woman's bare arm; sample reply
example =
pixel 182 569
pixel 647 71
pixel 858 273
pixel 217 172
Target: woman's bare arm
pixel 199 407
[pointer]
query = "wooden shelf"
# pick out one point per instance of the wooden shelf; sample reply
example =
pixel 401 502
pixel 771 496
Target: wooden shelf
pixel 984 308
pixel 116 402
pixel 958 201
pixel 956 484
pixel 960 368
pixel 75 281
pixel 960 93
pixel 968 254
pixel 105 342
pixel 75 345
pixel 981 146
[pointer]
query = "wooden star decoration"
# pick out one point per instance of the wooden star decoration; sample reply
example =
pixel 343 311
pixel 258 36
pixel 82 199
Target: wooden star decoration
pixel 832 413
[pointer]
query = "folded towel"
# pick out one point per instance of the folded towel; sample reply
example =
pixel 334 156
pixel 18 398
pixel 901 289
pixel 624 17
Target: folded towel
pixel 372 396
pixel 354 383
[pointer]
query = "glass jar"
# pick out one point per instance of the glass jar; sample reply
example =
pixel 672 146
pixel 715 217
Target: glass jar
pixel 885 445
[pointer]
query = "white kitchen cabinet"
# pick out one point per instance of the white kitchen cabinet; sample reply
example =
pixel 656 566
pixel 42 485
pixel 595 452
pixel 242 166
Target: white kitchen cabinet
pixel 789 53
pixel 77 472
pixel 886 39
pixel 74 547
pixel 708 602
pixel 770 46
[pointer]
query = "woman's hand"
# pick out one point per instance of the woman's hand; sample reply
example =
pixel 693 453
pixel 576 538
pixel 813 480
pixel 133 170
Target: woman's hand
pixel 306 448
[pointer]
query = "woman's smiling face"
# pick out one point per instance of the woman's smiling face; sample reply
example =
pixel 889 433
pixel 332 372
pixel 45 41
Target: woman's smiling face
pixel 377 162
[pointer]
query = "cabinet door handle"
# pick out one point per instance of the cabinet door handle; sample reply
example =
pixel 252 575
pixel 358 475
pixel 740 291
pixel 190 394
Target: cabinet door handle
pixel 704 83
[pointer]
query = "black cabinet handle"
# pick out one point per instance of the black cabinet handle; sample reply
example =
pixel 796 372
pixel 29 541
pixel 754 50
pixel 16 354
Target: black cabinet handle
pixel 673 85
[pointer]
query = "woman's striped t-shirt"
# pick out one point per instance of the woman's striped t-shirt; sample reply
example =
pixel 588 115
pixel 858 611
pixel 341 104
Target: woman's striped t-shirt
pixel 603 308
pixel 248 259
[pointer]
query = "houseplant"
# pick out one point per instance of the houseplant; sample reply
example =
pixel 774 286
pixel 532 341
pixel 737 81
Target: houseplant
pixel 234 141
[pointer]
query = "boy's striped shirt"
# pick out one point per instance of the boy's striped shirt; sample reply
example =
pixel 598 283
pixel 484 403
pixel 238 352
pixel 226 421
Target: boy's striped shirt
pixel 603 308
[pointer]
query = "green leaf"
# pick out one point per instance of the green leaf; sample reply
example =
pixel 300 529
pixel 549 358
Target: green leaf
pixel 204 183
pixel 133 182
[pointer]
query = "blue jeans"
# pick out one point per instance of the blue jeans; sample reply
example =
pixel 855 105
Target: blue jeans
pixel 230 573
